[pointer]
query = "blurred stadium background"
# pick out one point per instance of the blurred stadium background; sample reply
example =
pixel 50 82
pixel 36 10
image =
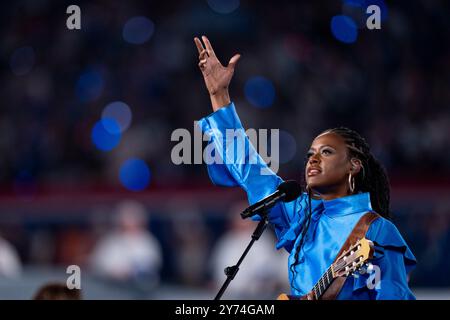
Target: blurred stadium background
pixel 86 118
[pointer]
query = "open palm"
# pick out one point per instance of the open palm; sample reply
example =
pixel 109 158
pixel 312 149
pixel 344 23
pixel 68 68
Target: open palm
pixel 217 77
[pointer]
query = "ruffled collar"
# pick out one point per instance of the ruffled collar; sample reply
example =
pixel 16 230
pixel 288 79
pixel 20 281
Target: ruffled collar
pixel 359 202
pixel 355 203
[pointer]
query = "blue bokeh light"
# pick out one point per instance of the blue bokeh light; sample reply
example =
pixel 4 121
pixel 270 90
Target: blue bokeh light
pixel 359 8
pixel 359 3
pixel 224 6
pixel 260 92
pixel 135 174
pixel 106 134
pixel 287 147
pixel 356 11
pixel 120 112
pixel 22 60
pixel 138 30
pixel 89 86
pixel 344 29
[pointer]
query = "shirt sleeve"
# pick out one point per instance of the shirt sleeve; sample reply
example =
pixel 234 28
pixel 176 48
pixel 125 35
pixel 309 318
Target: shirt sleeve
pixel 393 284
pixel 392 263
pixel 233 161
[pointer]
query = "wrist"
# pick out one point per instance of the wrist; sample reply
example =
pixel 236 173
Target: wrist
pixel 220 100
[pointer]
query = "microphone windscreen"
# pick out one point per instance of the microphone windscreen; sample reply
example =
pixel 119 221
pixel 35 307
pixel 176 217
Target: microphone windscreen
pixel 291 188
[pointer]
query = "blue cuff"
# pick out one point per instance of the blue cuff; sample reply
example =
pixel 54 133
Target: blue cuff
pixel 222 119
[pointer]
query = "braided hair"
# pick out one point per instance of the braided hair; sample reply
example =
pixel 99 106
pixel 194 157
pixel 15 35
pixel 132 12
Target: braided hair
pixel 372 178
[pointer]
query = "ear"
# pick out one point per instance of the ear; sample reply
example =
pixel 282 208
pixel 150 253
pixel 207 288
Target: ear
pixel 355 166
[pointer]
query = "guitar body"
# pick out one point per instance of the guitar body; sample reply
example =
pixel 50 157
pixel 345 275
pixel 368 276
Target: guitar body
pixel 330 294
pixel 285 296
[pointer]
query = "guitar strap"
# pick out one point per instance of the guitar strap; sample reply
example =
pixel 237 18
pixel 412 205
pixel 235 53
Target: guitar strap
pixel 358 232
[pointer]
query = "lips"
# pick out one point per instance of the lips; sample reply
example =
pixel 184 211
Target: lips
pixel 312 171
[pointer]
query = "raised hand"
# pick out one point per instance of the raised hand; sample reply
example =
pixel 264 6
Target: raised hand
pixel 217 77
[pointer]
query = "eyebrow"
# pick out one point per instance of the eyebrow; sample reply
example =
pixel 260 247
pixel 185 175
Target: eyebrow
pixel 322 146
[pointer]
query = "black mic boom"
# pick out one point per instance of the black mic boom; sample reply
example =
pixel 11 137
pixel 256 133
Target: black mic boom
pixel 287 191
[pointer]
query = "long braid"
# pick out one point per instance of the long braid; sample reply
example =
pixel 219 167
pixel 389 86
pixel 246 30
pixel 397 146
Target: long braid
pixel 372 178
pixel 305 228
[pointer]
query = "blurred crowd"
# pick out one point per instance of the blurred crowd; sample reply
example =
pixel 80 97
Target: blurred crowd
pixel 124 251
pixel 134 249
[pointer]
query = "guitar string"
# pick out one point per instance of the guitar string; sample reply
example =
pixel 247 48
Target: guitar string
pixel 325 282
pixel 321 283
pixel 317 286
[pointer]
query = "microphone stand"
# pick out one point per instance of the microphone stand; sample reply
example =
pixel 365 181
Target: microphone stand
pixel 231 271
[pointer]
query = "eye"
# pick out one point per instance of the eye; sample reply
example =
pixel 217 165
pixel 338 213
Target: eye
pixel 308 154
pixel 326 151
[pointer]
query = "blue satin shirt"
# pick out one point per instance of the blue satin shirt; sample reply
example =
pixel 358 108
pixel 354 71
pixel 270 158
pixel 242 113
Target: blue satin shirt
pixel 331 220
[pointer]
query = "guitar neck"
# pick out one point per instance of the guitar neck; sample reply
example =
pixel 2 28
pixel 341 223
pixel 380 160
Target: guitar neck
pixel 324 282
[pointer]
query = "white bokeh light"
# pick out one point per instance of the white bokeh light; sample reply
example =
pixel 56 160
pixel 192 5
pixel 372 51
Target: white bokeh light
pixel 120 112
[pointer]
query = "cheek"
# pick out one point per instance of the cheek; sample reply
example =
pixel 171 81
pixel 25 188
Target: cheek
pixel 335 167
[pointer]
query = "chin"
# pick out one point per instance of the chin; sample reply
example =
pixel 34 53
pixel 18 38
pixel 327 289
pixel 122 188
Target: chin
pixel 315 183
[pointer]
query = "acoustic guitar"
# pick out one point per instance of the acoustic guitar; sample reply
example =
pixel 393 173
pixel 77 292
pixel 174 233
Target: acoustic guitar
pixel 349 262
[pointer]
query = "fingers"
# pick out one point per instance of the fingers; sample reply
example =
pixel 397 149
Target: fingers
pixel 203 55
pixel 203 59
pixel 208 46
pixel 234 60
pixel 199 45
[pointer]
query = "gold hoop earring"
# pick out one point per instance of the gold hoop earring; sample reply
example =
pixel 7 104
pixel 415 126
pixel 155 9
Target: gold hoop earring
pixel 351 183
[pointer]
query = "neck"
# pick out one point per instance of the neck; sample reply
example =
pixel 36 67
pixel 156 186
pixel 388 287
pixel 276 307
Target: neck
pixel 329 196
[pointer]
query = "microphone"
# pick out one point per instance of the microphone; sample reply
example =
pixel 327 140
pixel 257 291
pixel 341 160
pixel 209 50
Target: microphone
pixel 287 191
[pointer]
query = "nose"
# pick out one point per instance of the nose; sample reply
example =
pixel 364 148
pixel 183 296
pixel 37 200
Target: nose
pixel 314 159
